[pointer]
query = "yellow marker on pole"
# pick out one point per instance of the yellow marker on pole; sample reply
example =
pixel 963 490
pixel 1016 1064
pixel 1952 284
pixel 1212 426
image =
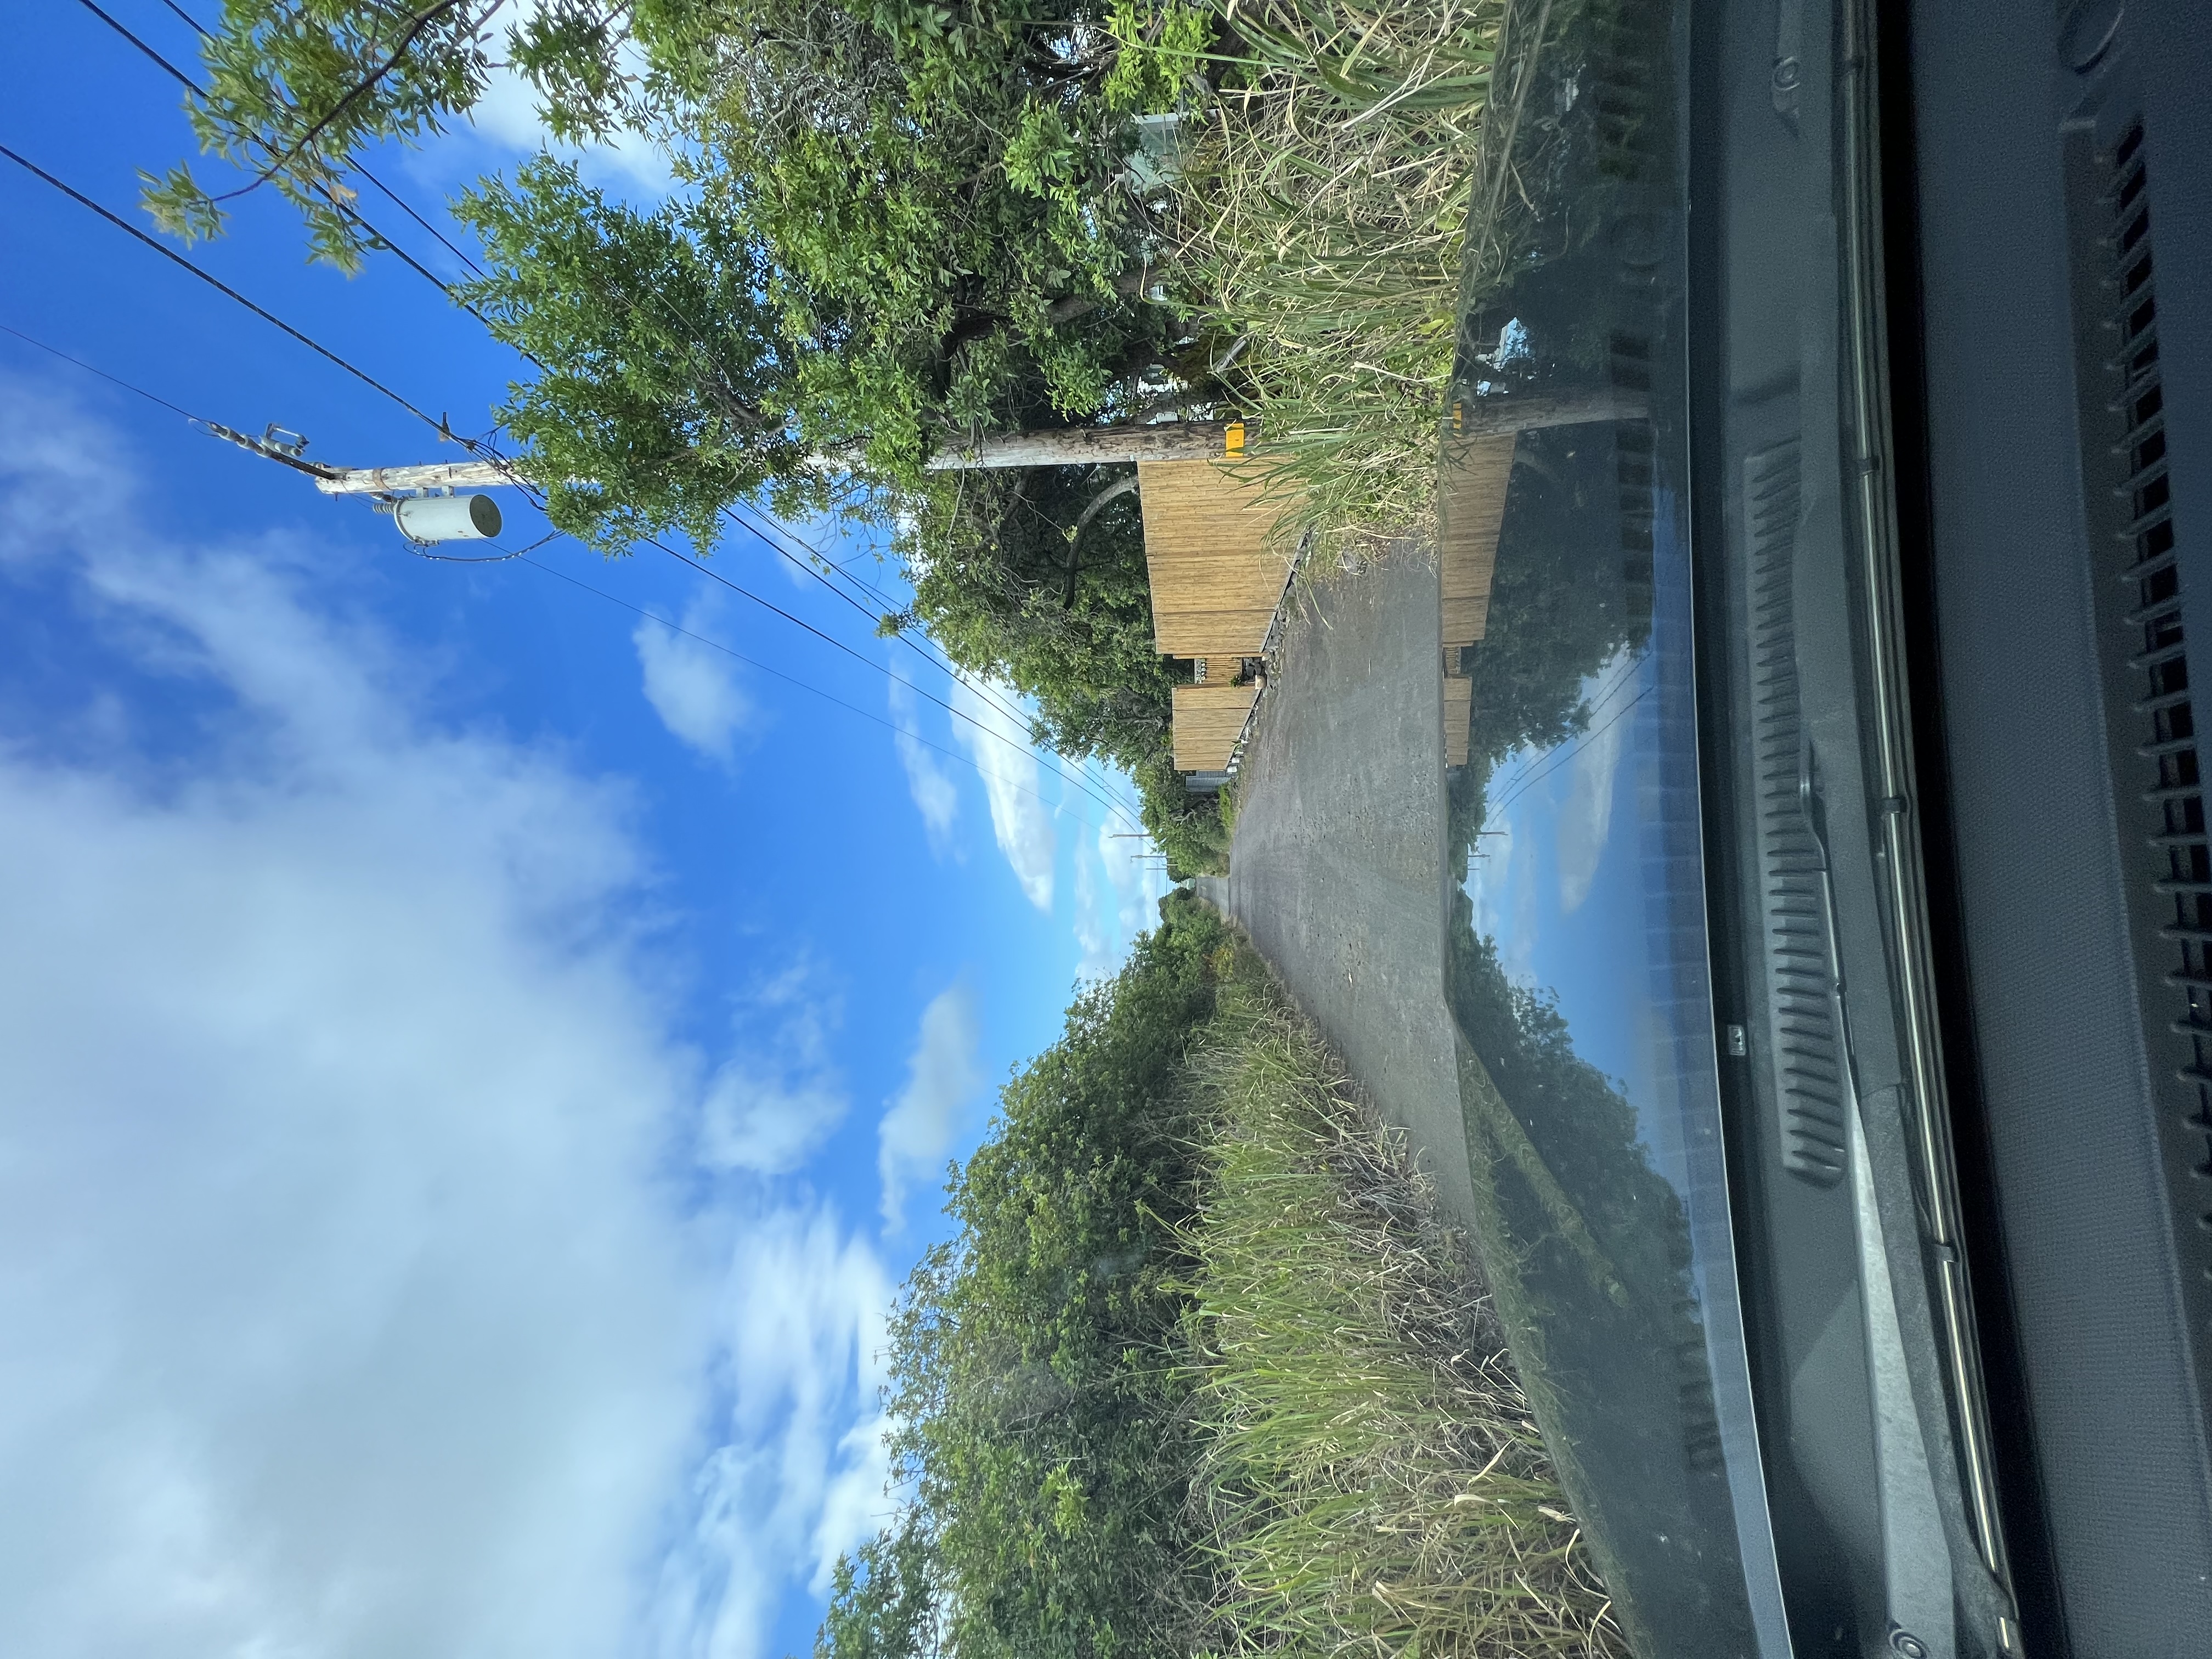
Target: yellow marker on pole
pixel 1233 441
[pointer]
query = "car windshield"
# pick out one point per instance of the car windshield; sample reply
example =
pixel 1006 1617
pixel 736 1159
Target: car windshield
pixel 1576 1115
pixel 1056 828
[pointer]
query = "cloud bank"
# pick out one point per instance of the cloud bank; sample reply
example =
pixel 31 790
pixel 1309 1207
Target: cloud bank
pixel 351 1300
pixel 942 1078
pixel 692 687
pixel 1021 818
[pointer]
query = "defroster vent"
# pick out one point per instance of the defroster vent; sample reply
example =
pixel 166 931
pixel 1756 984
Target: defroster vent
pixel 2152 651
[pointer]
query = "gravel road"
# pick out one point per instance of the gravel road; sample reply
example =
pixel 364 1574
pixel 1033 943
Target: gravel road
pixel 1338 869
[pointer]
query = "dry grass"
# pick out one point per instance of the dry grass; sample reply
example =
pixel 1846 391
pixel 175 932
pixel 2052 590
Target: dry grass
pixel 1371 1476
pixel 1322 219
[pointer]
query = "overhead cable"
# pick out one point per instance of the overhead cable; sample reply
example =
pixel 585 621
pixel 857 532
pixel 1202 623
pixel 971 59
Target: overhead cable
pixel 892 727
pixel 217 284
pixel 117 379
pixel 343 209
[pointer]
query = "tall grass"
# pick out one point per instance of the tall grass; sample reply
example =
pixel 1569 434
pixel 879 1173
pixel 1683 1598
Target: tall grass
pixel 1370 1475
pixel 1321 217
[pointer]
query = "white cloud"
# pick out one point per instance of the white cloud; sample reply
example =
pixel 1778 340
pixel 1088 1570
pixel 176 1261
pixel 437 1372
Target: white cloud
pixel 807 1305
pixel 776 1098
pixel 507 116
pixel 692 687
pixel 348 1305
pixel 942 1078
pixel 1021 818
pixel 1586 814
pixel 935 795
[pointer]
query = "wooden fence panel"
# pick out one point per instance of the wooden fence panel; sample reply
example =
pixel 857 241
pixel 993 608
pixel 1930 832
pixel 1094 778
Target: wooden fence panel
pixel 1209 721
pixel 1217 569
pixel 1470 511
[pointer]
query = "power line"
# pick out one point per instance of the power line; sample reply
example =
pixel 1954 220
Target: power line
pixel 217 284
pixel 324 190
pixel 141 46
pixel 1621 677
pixel 1562 754
pixel 1029 750
pixel 114 379
pixel 934 656
pixel 499 556
pixel 400 201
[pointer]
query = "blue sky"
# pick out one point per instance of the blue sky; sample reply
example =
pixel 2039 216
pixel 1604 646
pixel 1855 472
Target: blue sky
pixel 1566 880
pixel 474 1063
pixel 1556 869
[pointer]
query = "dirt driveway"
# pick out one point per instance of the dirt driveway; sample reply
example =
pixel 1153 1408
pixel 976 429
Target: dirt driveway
pixel 1338 869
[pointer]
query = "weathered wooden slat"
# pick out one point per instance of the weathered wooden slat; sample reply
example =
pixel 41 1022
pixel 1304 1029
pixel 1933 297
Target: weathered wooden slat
pixel 1459 714
pixel 1214 633
pixel 1209 721
pixel 1216 565
pixel 1470 487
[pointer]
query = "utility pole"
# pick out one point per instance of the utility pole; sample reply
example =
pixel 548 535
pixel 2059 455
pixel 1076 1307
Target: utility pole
pixel 1063 446
pixel 1086 446
pixel 423 502
pixel 1217 440
pixel 420 499
pixel 1072 446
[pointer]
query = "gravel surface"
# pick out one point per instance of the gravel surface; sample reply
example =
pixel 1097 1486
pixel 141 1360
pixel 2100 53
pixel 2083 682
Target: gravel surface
pixel 1337 871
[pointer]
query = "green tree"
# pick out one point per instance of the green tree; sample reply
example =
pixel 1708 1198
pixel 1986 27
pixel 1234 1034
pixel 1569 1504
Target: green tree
pixel 901 222
pixel 1042 1429
pixel 664 393
pixel 885 1598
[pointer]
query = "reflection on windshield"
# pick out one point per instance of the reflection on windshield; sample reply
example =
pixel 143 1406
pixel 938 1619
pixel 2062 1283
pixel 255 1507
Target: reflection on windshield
pixel 1577 953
